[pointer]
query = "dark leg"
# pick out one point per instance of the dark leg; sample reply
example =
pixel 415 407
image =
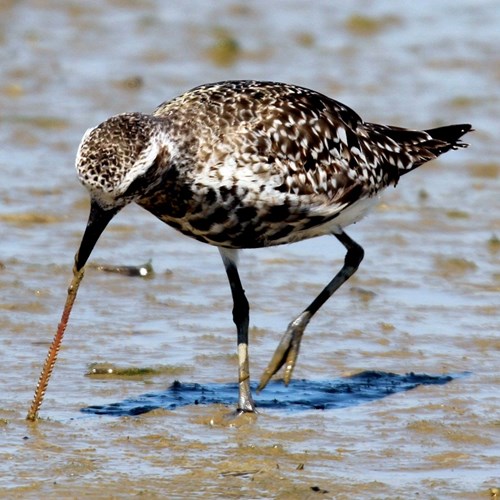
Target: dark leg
pixel 240 318
pixel 288 349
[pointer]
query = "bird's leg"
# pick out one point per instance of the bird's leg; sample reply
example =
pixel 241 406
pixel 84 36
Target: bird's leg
pixel 240 318
pixel 288 349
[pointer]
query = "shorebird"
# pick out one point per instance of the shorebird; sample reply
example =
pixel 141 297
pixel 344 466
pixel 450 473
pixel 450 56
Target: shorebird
pixel 249 164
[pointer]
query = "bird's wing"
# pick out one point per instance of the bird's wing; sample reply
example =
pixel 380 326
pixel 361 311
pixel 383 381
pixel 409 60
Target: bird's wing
pixel 298 141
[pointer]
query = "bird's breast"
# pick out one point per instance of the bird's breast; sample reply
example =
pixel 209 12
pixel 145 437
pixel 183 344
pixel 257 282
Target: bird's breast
pixel 238 216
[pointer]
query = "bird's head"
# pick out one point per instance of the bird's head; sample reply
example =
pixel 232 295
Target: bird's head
pixel 118 161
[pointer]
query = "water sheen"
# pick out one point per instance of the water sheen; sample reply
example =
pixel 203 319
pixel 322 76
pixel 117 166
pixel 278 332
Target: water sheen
pixel 395 394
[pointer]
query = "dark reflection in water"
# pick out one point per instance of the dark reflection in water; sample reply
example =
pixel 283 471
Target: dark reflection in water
pixel 299 395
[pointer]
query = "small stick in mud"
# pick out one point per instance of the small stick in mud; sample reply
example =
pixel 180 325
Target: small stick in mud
pixel 50 361
pixel 143 271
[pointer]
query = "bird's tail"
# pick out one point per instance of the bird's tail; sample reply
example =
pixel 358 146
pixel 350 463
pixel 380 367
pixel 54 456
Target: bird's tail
pixel 416 147
pixel 447 137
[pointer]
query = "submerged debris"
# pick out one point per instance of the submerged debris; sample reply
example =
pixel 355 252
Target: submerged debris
pixel 110 369
pixel 114 371
pixel 142 271
pixel 317 489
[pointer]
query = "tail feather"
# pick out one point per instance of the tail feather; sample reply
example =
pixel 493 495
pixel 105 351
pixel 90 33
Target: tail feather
pixel 449 136
pixel 406 149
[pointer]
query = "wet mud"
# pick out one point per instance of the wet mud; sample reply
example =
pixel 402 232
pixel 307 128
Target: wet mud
pixel 396 390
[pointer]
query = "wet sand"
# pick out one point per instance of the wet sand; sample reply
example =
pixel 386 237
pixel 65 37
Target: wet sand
pixel 395 394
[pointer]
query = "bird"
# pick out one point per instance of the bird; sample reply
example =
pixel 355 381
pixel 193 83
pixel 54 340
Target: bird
pixel 244 164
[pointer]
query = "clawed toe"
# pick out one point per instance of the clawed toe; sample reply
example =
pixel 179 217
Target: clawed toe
pixel 288 359
pixel 279 358
pixel 287 351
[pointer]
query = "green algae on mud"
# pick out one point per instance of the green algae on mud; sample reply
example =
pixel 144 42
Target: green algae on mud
pixel 110 370
pixel 225 50
pixel 454 266
pixel 363 25
pixel 28 219
pixel 43 122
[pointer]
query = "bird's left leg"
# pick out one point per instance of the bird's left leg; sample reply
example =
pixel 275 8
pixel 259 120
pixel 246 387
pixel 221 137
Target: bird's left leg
pixel 288 349
pixel 240 318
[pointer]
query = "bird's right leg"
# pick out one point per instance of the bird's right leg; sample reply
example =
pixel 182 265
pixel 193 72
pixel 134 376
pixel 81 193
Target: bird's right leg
pixel 288 349
pixel 240 318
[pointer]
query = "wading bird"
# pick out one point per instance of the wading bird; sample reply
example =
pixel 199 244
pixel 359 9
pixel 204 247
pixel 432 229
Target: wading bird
pixel 248 164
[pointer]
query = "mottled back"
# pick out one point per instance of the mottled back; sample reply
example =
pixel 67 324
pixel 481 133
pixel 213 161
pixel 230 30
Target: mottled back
pixel 287 159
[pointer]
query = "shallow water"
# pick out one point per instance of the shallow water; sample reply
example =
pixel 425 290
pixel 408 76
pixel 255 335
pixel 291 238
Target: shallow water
pixel 395 394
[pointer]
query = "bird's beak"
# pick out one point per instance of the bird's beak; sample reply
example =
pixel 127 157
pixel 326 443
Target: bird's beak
pixel 98 220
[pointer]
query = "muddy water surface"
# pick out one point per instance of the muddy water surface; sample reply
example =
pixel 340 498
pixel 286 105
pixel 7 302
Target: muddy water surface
pixel 395 394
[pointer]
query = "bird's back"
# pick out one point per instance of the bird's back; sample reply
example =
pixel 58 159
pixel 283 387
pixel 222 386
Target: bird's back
pixel 287 159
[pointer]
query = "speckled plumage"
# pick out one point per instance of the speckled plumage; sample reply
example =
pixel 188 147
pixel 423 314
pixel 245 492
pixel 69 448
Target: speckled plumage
pixel 252 164
pixel 246 164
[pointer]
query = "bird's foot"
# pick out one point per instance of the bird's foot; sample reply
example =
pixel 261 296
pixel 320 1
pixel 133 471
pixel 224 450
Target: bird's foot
pixel 287 351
